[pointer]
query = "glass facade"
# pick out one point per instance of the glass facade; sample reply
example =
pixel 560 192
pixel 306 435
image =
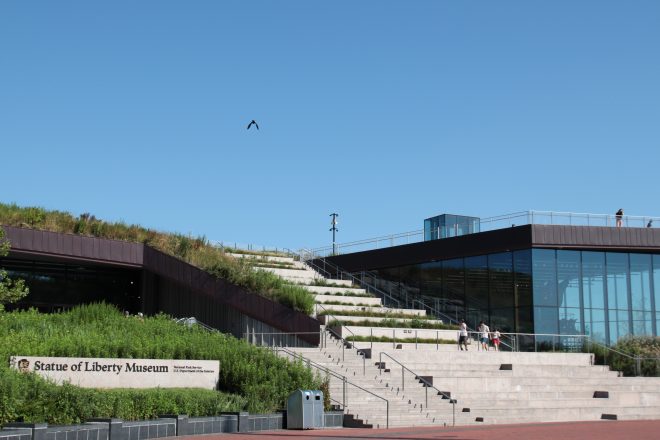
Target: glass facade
pixel 449 225
pixel 57 286
pixel 607 295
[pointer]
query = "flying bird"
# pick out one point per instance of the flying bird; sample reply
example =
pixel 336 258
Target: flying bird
pixel 253 122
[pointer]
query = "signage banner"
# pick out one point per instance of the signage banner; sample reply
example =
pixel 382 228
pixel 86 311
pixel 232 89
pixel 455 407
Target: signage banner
pixel 122 373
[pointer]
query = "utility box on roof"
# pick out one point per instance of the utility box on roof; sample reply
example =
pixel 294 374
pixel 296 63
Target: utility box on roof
pixel 304 410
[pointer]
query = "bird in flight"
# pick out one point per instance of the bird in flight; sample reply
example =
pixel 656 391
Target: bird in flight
pixel 253 122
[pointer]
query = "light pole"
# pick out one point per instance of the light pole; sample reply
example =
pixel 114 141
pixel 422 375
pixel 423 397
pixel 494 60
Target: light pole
pixel 334 230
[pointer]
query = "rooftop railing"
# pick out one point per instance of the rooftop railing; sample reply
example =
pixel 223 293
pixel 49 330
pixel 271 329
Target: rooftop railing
pixel 497 222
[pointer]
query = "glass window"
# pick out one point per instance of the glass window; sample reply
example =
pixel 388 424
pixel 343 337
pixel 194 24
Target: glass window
pixel 570 322
pixel 568 278
pixel 476 283
pixel 453 284
pixel 617 281
pixel 595 325
pixel 656 285
pixel 544 277
pixel 593 279
pixel 640 282
pixel 546 326
pixel 522 266
pixel 501 281
pixel 642 323
pixel 431 279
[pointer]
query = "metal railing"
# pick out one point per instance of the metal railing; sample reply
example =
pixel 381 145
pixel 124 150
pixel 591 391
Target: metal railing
pixel 332 271
pixel 492 223
pixel 424 382
pixel 552 342
pixel 343 378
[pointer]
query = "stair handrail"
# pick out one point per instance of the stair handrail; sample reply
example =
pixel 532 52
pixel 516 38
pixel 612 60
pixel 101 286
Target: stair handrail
pixel 338 270
pixel 343 341
pixel 344 379
pixel 427 384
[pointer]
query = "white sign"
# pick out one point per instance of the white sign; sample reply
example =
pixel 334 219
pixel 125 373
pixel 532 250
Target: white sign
pixel 122 373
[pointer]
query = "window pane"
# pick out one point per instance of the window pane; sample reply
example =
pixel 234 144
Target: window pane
pixel 501 280
pixel 545 277
pixel 594 324
pixel 522 264
pixel 593 279
pixel 570 322
pixel 476 285
pixel 656 285
pixel 640 282
pixel 568 278
pixel 617 281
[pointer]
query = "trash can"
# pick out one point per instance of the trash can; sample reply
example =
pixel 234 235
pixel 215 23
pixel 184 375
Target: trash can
pixel 304 410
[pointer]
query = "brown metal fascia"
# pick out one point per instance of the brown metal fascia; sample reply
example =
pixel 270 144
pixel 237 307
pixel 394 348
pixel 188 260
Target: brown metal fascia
pixel 596 238
pixel 482 243
pixel 72 247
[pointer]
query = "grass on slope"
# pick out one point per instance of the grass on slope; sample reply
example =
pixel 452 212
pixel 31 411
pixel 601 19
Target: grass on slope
pixel 251 378
pixel 194 250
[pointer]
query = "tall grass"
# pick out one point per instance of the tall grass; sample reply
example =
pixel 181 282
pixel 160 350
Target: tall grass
pixel 194 250
pixel 257 380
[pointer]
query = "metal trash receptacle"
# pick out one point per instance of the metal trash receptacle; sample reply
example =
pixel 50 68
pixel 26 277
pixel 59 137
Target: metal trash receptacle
pixel 304 410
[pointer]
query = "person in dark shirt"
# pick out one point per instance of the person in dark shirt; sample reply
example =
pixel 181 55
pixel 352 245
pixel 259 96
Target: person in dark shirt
pixel 619 218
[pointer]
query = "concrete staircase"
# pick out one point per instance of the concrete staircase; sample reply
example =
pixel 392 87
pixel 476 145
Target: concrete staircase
pixel 488 387
pixel 340 300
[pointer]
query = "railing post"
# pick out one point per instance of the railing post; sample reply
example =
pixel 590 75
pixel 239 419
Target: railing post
pixel 387 415
pixel 380 363
pixel 426 388
pixel 403 378
pixel 371 338
pixel 344 393
pixel 638 365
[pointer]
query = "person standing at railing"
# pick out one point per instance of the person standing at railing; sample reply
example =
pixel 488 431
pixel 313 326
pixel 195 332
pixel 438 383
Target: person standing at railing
pixel 484 334
pixel 496 339
pixel 462 335
pixel 619 218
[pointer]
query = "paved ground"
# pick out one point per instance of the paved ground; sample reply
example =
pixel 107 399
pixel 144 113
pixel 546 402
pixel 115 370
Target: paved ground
pixel 601 430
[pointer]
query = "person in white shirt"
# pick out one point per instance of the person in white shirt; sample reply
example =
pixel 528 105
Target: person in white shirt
pixel 484 334
pixel 462 335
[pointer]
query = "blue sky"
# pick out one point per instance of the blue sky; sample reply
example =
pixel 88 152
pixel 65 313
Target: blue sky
pixel 385 112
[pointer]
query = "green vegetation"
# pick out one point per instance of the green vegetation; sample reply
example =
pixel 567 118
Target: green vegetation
pixel 339 303
pixel 394 323
pixel 647 348
pixel 322 282
pixel 196 251
pixel 251 378
pixel 391 340
pixel 10 290
pixel 368 314
pixel 346 293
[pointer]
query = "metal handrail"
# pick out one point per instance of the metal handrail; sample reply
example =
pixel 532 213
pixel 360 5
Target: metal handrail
pixel 427 384
pixel 342 273
pixel 343 341
pixel 345 381
pixel 501 222
pixel 588 341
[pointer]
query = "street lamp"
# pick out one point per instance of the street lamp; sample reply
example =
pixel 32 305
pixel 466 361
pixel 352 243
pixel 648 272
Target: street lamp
pixel 334 230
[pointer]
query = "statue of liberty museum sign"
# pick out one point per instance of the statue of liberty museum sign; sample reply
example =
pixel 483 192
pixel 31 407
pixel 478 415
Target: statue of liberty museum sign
pixel 122 373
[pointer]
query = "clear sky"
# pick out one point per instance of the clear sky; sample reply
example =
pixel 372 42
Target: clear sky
pixel 386 112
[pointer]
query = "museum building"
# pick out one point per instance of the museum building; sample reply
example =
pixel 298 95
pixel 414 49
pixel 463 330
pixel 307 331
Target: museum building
pixel 601 281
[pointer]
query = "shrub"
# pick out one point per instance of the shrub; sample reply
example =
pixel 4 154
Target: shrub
pixel 194 250
pixel 645 347
pixel 256 379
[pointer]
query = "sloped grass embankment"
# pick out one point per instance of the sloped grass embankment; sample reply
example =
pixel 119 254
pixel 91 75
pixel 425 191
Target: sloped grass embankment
pixel 251 378
pixel 193 250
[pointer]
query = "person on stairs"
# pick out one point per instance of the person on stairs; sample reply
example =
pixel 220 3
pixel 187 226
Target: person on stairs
pixel 462 335
pixel 484 334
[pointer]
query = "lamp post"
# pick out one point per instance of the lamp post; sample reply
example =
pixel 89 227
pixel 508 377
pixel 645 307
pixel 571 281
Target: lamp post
pixel 334 230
